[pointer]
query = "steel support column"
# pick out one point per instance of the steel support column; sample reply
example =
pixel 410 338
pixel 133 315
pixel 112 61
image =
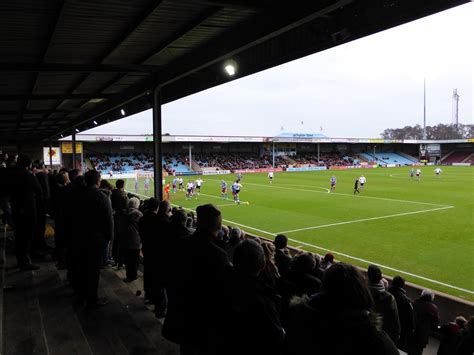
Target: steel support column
pixel 74 148
pixel 157 148
pixel 50 155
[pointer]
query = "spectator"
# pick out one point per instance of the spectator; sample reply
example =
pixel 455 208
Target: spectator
pixel 131 242
pixel 119 201
pixel 426 321
pixel 384 303
pixel 405 311
pixel 282 255
pixel 25 196
pixel 327 262
pixel 39 246
pixel 250 314
pixel 270 273
pixel 160 252
pixel 97 211
pixel 148 227
pixel 318 271
pixel 201 266
pixel 451 336
pixel 338 320
pixel 235 238
pixel 466 345
pixel 301 275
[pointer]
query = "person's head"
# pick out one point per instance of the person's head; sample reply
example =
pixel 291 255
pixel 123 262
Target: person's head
pixel 179 218
pixel 460 321
pixel 23 162
pixel 427 295
pixel 164 208
pixel 133 203
pixel 346 287
pixel 104 184
pixel 235 235
pixel 374 274
pixel 470 324
pixel 398 281
pixel 329 258
pixel 249 258
pixel 174 210
pixel 92 178
pixel 303 263
pixel 120 184
pixel 209 219
pixel 281 241
pixel 73 174
pixel 153 205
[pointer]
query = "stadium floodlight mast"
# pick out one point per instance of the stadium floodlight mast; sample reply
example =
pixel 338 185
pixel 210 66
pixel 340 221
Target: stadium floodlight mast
pixel 230 67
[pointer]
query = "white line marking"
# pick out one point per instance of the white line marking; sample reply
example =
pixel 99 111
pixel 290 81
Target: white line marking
pixel 365 219
pixel 346 255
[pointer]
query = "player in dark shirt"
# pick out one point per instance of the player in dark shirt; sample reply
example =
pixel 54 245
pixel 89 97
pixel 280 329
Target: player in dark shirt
pixel 356 186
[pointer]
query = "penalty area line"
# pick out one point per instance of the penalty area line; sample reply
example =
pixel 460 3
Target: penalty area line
pixel 365 219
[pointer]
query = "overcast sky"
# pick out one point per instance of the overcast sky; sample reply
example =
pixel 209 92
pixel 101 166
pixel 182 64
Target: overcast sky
pixel 354 90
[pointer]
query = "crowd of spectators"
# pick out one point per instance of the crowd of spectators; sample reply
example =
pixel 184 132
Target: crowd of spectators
pixel 121 162
pixel 218 290
pixel 325 159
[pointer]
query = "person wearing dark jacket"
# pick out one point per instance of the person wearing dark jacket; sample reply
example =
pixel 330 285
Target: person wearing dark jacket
pixel 158 249
pixel 148 229
pixel 98 228
pixel 466 345
pixel 384 303
pixel 405 311
pixel 130 242
pixel 39 242
pixel 339 320
pixel 249 318
pixel 119 199
pixel 426 321
pixel 198 284
pixel 25 196
pixel 305 283
pixel 282 255
pixel 450 336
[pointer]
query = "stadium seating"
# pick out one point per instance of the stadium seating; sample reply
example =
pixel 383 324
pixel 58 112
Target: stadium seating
pixel 388 158
pixel 458 157
pixel 121 163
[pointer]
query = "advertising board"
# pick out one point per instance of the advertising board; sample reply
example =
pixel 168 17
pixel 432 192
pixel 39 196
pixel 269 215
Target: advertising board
pixel 55 154
pixel 307 168
pixel 215 172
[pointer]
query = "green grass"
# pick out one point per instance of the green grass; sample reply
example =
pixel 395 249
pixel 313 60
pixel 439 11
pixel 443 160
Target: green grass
pixel 430 237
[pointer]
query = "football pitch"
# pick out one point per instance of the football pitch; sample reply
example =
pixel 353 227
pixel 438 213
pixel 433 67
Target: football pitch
pixel 422 230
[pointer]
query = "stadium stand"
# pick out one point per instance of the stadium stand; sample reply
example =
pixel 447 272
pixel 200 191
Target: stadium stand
pixel 387 158
pixel 458 157
pixel 121 163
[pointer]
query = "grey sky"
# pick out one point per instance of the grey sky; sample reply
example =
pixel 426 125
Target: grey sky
pixel 354 90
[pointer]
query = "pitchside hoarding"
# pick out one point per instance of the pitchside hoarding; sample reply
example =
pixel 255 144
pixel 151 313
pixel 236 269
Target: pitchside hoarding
pixel 55 154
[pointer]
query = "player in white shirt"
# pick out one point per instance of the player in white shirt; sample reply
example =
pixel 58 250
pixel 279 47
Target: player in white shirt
pixel 418 173
pixel 189 190
pixel 362 181
pixel 438 171
pixel 180 184
pixel 270 176
pixel 197 185
pixel 236 186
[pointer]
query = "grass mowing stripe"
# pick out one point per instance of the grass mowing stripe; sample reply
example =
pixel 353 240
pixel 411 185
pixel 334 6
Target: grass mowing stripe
pixel 365 219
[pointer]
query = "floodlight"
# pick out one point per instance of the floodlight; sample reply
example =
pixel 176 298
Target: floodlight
pixel 230 67
pixel 122 111
pixel 77 130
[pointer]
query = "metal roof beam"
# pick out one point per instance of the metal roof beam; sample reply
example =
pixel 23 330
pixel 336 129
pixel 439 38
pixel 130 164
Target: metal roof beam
pixel 58 96
pixel 78 68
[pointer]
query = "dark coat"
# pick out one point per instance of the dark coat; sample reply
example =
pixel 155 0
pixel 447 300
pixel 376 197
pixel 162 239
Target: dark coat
pixel 385 305
pixel 131 236
pixel 304 283
pixel 96 216
pixel 119 201
pixel 450 337
pixel 283 262
pixel 406 315
pixel 466 345
pixel 317 326
pixel 25 192
pixel 200 265
pixel 426 320
pixel 249 322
